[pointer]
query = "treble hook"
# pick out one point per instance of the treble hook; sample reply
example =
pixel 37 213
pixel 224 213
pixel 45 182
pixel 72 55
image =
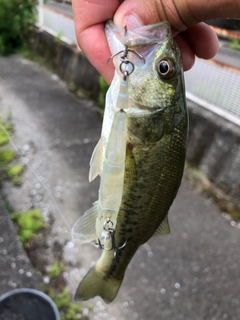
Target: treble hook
pixel 125 53
pixel 111 233
pixel 124 59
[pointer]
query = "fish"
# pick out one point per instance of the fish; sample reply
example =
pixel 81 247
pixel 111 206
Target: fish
pixel 140 156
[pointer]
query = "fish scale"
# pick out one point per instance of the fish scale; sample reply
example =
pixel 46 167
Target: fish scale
pixel 144 219
pixel 157 126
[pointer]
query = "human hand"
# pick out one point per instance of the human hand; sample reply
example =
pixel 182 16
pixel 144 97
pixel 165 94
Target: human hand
pixel 193 37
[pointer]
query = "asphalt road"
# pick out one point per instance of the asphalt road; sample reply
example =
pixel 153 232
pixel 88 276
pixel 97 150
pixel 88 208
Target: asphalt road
pixel 192 274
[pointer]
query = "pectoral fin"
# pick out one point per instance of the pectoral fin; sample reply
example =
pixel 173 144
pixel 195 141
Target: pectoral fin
pixel 96 161
pixel 84 228
pixel 164 228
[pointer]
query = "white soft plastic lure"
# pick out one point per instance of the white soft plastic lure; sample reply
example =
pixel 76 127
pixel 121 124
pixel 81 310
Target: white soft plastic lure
pixel 108 161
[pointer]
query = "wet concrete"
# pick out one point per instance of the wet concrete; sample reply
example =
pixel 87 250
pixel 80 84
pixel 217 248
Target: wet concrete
pixel 191 274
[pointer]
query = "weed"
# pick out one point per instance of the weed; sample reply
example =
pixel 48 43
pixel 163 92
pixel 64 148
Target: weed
pixel 25 52
pixel 17 17
pixel 14 170
pixel 103 86
pixel 56 269
pixel 72 86
pixel 58 36
pixel 5 131
pixel 17 181
pixel 61 299
pixel 29 223
pixel 74 312
pixel 68 310
pixel 13 173
pixel 6 155
pixel 7 171
pixel 234 43
pixel 222 200
pixel 90 306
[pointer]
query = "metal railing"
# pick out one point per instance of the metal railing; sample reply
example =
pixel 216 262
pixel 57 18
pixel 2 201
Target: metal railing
pixel 214 85
pixel 216 88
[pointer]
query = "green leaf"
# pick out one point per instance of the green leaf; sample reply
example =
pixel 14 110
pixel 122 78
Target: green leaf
pixel 16 19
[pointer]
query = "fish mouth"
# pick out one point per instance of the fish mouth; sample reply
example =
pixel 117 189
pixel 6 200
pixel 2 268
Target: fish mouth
pixel 140 109
pixel 141 36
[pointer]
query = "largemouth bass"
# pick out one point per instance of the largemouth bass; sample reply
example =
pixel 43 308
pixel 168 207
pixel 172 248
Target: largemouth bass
pixel 140 155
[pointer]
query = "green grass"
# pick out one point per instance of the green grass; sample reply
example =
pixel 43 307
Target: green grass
pixel 56 269
pixel 29 223
pixel 234 43
pixel 58 36
pixel 103 88
pixel 72 86
pixel 6 156
pixel 5 131
pixel 26 53
pixel 68 310
pixel 14 170
pixel 8 171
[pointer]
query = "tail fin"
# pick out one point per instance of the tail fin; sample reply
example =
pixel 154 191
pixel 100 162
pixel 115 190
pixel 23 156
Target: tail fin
pixel 96 284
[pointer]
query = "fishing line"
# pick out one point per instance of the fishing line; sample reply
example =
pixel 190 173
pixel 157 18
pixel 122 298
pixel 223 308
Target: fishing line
pixel 38 178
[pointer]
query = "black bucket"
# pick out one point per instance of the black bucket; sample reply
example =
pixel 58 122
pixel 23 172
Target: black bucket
pixel 27 304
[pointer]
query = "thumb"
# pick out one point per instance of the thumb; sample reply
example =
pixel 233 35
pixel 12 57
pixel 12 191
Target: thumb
pixel 134 13
pixel 181 13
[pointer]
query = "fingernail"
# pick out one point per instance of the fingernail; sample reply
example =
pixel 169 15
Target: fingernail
pixel 132 21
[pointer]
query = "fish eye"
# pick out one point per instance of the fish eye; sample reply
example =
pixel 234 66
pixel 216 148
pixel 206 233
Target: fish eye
pixel 166 68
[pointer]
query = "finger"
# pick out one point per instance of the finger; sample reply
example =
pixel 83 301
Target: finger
pixel 90 17
pixel 202 39
pixel 97 50
pixel 188 56
pixel 181 13
pixel 91 12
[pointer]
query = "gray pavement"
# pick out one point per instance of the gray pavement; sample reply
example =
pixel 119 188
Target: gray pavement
pixel 192 274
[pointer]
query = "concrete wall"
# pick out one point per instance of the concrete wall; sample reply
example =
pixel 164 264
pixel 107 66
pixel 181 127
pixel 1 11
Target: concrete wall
pixel 214 143
pixel 214 148
pixel 67 61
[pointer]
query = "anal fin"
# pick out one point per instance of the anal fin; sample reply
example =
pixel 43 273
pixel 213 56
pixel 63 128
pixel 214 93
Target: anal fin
pixel 164 228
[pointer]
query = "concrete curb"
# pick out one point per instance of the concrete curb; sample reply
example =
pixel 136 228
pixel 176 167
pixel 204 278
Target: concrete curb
pixel 214 143
pixel 66 60
pixel 214 148
pixel 16 268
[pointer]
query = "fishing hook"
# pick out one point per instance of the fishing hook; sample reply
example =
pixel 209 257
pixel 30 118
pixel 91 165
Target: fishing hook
pixel 124 60
pixel 111 232
pixel 125 53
